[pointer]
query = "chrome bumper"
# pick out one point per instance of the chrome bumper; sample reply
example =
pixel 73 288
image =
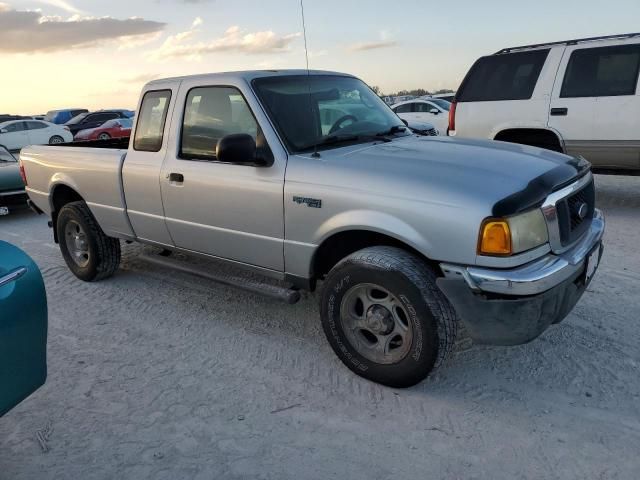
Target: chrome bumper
pixel 535 277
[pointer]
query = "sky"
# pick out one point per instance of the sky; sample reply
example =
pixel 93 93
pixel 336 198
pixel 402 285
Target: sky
pixel 98 54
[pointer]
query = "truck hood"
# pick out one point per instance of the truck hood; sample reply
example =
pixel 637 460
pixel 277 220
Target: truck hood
pixel 511 177
pixel 10 177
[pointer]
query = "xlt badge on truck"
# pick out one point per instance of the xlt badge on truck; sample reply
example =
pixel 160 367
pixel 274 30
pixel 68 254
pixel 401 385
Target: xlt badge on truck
pixel 310 202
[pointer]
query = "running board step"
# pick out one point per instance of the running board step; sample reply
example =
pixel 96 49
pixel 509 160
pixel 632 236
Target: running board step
pixel 281 293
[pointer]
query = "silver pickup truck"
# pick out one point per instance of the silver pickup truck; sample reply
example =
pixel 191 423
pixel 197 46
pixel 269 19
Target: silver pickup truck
pixel 309 176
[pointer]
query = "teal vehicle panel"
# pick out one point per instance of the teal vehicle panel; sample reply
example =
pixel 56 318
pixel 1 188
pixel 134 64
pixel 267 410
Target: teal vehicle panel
pixel 10 179
pixel 23 327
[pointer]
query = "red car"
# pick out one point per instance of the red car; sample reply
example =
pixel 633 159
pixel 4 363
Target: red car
pixel 116 128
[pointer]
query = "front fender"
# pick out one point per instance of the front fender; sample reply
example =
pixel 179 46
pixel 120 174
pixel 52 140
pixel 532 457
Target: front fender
pixel 373 221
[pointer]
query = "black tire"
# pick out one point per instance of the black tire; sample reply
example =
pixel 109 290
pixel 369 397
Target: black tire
pixel 56 139
pixel 103 251
pixel 413 284
pixel 104 136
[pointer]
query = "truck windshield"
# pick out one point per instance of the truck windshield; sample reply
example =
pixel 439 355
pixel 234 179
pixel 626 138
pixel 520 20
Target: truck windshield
pixel 326 111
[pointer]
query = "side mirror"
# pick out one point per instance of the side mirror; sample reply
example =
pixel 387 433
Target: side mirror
pixel 239 148
pixel 435 111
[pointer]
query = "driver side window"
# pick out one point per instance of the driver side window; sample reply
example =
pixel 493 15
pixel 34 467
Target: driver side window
pixel 212 113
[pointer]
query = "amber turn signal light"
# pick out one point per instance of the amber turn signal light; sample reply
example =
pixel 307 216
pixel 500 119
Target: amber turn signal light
pixel 495 238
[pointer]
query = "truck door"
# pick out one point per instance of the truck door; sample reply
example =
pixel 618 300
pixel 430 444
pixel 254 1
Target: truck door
pixel 226 210
pixel 141 170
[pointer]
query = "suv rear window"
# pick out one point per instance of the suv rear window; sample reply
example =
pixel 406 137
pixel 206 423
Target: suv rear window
pixel 510 76
pixel 602 72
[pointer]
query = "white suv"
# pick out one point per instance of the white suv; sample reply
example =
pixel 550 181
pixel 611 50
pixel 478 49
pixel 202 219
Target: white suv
pixel 579 97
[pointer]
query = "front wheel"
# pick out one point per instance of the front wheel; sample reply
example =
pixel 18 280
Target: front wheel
pixel 104 136
pixel 89 253
pixel 385 317
pixel 55 140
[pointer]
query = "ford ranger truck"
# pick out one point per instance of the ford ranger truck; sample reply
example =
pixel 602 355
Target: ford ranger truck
pixel 309 177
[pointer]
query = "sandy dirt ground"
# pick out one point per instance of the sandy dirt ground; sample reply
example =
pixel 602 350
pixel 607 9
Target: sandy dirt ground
pixel 156 375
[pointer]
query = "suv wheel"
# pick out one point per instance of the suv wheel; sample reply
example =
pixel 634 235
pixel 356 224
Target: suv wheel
pixel 385 317
pixel 88 252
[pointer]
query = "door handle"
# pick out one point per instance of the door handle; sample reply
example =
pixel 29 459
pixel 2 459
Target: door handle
pixel 176 177
pixel 559 112
pixel 12 276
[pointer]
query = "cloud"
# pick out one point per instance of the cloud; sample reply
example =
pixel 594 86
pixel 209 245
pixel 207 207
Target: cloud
pixel 364 46
pixel 31 31
pixel 233 40
pixel 142 78
pixel 386 41
pixel 66 6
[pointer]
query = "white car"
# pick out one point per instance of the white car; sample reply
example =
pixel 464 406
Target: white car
pixel 16 134
pixel 442 96
pixel 425 110
pixel 579 97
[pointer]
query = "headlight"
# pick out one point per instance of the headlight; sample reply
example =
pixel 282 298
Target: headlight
pixel 517 234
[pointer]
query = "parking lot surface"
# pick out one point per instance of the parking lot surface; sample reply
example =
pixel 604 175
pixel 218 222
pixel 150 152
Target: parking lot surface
pixel 154 374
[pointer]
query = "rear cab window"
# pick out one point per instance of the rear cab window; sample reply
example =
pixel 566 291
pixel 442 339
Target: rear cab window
pixel 602 72
pixel 151 121
pixel 508 76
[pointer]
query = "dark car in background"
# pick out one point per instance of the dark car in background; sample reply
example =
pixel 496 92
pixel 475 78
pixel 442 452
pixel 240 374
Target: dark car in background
pixel 90 120
pixel 11 185
pixel 5 117
pixel 60 117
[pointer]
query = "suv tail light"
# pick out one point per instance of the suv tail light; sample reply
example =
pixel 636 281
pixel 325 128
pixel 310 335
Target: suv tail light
pixel 452 116
pixel 23 175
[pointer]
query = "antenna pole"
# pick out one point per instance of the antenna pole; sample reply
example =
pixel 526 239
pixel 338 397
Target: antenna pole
pixel 306 54
pixel 304 32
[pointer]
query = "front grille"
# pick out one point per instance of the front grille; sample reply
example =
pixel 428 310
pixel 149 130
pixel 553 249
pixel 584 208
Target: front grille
pixel 572 224
pixel 432 132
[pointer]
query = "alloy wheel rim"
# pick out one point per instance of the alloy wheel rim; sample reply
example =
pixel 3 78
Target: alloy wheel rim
pixel 77 243
pixel 376 323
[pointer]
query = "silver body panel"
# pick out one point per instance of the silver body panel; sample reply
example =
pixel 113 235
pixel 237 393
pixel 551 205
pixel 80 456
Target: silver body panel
pixel 431 193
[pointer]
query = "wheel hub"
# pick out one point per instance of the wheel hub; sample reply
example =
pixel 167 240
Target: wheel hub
pixel 376 323
pixel 379 320
pixel 77 243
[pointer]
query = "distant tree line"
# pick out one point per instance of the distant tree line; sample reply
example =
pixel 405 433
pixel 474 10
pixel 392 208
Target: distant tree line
pixel 418 92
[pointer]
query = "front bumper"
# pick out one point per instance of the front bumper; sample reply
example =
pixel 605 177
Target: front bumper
pixel 510 307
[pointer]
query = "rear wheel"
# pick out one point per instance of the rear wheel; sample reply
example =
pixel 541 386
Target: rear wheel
pixel 385 317
pixel 89 253
pixel 104 136
pixel 55 140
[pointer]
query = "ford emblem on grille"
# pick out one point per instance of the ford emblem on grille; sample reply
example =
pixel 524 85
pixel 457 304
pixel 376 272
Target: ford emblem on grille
pixel 582 210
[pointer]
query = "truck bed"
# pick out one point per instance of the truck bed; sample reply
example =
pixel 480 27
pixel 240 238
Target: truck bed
pixel 112 143
pixel 94 172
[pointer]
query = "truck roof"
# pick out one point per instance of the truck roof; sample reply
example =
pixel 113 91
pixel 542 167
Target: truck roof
pixel 249 75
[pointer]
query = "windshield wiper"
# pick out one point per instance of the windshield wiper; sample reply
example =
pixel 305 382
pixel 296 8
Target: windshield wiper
pixel 337 139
